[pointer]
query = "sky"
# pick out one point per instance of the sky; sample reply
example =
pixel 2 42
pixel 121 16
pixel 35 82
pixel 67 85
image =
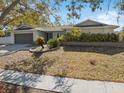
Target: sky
pixel 104 15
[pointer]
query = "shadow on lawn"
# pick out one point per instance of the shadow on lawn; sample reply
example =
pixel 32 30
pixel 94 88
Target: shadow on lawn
pixel 63 84
pixel 16 78
pixel 32 65
pixel 6 88
pixel 10 88
pixel 102 50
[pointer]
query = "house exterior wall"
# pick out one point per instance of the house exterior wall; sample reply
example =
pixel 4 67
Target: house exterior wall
pixel 57 34
pixel 97 30
pixel 102 30
pixel 46 34
pixel 35 33
pixel 7 40
pixel 41 34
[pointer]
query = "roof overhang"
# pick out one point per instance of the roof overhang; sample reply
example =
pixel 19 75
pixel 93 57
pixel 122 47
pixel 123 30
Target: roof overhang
pixel 49 29
pixel 94 24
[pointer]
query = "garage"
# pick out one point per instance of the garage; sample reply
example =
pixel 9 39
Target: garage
pixel 26 38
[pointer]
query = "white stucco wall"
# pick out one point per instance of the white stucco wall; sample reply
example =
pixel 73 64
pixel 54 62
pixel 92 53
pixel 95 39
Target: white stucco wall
pixel 35 35
pixel 7 40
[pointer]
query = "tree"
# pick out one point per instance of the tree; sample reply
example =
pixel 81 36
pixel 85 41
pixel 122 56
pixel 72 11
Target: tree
pixel 14 12
pixel 7 9
pixel 18 11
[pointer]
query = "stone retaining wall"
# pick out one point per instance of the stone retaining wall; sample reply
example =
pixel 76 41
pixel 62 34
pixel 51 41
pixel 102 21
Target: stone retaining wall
pixel 98 44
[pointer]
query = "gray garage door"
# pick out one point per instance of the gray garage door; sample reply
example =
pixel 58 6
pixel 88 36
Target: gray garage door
pixel 24 38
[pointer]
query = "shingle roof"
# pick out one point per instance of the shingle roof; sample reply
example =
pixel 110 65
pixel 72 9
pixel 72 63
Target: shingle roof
pixel 96 24
pixel 60 28
pixel 23 27
pixel 52 28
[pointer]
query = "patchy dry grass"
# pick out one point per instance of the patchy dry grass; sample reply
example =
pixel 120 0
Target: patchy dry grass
pixel 84 63
pixel 15 57
pixel 88 65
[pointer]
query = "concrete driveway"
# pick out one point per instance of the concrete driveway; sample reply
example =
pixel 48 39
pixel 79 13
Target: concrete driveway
pixel 8 49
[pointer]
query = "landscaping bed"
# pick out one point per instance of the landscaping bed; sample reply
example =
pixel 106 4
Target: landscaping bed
pixel 90 63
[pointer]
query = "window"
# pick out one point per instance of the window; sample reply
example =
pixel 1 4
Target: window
pixel 58 34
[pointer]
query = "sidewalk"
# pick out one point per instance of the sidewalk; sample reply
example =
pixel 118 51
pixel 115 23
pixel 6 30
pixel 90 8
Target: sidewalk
pixel 57 84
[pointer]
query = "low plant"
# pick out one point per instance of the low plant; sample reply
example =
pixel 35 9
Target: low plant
pixel 121 34
pixel 2 34
pixel 74 35
pixel 7 33
pixel 61 39
pixel 68 36
pixel 52 43
pixel 40 41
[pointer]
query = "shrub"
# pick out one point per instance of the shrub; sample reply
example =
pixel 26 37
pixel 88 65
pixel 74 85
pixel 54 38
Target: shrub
pixel 75 34
pixel 68 36
pixel 52 43
pixel 84 37
pixel 121 34
pixel 88 37
pixel 61 39
pixel 7 33
pixel 40 41
pixel 2 34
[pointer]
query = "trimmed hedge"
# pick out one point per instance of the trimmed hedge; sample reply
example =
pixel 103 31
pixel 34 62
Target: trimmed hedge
pixel 89 37
pixel 122 35
pixel 99 37
pixel 61 39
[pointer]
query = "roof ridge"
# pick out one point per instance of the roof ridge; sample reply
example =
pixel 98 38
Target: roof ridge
pixel 96 22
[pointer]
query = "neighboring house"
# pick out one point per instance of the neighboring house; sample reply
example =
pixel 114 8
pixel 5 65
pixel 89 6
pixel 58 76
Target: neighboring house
pixel 27 34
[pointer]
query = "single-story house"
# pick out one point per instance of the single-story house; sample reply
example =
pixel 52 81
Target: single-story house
pixel 27 34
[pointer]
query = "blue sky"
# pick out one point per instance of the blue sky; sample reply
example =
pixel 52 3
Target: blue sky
pixel 104 16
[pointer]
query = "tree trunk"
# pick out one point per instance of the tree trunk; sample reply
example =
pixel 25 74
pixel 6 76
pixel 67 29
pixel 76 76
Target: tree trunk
pixel 7 10
pixel 42 46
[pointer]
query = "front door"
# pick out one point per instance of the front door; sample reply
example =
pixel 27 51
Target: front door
pixel 49 35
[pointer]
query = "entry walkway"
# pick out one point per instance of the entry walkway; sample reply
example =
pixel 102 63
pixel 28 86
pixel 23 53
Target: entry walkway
pixel 9 49
pixel 65 85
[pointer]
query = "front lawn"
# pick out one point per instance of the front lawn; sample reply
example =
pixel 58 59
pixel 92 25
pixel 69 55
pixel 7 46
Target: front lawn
pixel 90 63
